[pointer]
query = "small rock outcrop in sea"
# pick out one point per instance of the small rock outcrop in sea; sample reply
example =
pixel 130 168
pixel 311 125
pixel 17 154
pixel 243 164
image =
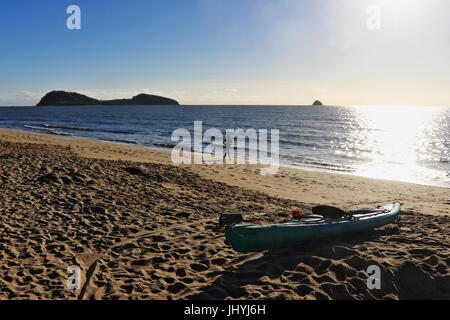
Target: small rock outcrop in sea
pixel 317 103
pixel 63 98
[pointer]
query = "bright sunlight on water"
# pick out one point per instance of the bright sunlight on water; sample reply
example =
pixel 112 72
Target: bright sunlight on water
pixel 401 143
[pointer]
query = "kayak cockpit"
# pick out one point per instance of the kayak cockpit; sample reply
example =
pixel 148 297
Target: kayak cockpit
pixel 330 215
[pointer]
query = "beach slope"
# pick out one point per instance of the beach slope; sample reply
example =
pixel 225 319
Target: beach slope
pixel 140 227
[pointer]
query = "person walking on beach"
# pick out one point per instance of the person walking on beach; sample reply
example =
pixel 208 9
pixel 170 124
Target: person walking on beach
pixel 213 151
pixel 226 146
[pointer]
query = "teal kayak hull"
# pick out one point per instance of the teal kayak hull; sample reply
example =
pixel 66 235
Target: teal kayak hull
pixel 246 237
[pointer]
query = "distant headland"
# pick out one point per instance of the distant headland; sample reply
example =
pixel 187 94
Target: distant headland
pixel 63 98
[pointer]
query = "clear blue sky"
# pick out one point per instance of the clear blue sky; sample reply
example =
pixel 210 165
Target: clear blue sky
pixel 229 51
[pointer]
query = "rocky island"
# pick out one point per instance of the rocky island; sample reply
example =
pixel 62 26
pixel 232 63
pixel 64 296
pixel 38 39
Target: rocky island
pixel 63 98
pixel 317 103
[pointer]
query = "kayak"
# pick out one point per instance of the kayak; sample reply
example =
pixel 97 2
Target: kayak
pixel 256 236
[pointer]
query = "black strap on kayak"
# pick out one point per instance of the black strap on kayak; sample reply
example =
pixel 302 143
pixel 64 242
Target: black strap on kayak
pixel 330 212
pixel 229 219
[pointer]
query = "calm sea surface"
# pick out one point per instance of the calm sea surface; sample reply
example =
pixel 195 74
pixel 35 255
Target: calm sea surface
pixel 400 143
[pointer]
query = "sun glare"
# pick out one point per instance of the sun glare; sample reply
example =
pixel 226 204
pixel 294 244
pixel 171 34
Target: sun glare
pixel 398 136
pixel 399 7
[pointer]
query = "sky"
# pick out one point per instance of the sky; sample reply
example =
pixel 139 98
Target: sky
pixel 343 52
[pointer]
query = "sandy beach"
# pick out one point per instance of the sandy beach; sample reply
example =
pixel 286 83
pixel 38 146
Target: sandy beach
pixel 141 228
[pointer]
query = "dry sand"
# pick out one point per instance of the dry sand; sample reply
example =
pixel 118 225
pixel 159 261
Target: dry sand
pixel 142 228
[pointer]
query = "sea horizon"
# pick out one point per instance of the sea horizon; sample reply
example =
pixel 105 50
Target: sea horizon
pixel 161 148
pixel 252 105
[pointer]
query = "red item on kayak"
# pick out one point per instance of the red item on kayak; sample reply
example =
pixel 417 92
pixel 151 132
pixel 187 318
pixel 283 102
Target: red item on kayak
pixel 296 213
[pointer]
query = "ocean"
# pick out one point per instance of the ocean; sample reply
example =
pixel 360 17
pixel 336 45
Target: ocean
pixel 410 144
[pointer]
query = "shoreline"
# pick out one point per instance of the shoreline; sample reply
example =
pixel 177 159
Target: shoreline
pixel 309 186
pixel 166 149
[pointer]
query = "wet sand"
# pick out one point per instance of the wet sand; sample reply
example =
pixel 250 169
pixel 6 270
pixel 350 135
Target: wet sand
pixel 142 228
